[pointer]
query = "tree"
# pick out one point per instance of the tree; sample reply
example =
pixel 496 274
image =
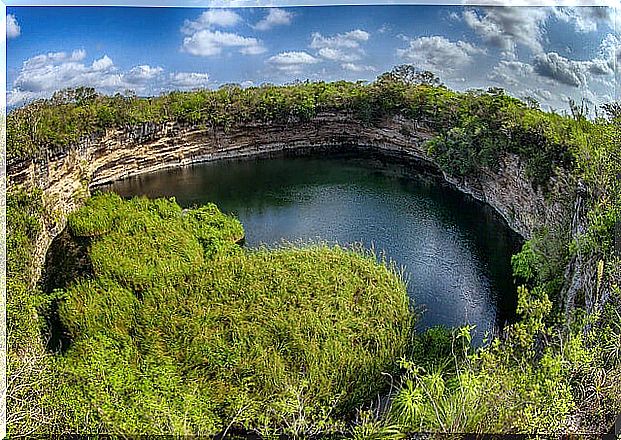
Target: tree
pixel 612 110
pixel 531 102
pixel 79 96
pixel 410 75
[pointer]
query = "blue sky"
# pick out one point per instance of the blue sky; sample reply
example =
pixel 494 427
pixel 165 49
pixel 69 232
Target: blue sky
pixel 551 53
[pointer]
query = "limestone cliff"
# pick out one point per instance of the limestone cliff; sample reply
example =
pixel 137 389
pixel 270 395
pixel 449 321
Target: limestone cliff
pixel 66 178
pixel 128 152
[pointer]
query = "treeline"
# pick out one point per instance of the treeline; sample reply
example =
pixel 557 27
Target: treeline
pixel 473 128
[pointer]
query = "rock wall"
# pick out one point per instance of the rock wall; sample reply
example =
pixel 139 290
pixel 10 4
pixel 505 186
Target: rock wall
pixel 66 178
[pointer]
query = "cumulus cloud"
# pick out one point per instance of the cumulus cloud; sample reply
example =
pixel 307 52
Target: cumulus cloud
pixel 552 78
pixel 578 73
pixel 142 74
pixel 610 50
pixel 46 71
pixel 104 63
pixel 598 67
pixel 207 43
pixel 585 18
pixel 292 62
pixel 41 75
pixel 510 73
pixel 211 18
pixel 275 17
pixel 353 67
pixel 345 47
pixel 13 30
pixel 203 39
pixel 438 54
pixel 189 80
pixel 558 68
pixel 508 27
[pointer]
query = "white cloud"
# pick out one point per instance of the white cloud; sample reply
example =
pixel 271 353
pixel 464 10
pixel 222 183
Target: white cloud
pixel 559 68
pixel 353 67
pixel 552 78
pixel 585 18
pixel 579 73
pixel 508 27
pixel 41 75
pixel 598 67
pixel 345 47
pixel 19 97
pixel 610 50
pixel 292 62
pixel 142 74
pixel 189 80
pixel 55 70
pixel 203 40
pixel 104 63
pixel 510 73
pixel 438 54
pixel 209 43
pixel 275 17
pixel 210 19
pixel 13 30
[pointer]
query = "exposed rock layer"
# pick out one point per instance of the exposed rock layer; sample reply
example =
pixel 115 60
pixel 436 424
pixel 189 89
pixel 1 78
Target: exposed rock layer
pixel 122 153
pixel 65 179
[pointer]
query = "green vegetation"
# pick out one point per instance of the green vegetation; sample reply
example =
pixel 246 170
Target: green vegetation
pixel 29 375
pixel 473 129
pixel 177 329
pixel 551 368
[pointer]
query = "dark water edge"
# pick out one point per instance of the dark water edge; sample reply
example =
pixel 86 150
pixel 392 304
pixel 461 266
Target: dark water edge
pixel 454 249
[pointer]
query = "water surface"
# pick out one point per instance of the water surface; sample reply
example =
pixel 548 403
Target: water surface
pixel 455 251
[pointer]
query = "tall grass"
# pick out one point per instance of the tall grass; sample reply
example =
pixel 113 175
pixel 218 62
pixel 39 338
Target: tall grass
pixel 173 334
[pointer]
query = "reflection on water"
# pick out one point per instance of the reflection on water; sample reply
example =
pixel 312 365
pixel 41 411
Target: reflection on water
pixel 456 251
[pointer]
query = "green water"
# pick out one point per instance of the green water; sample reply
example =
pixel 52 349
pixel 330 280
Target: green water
pixel 455 251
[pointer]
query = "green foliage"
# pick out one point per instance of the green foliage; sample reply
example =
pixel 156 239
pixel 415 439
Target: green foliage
pixel 24 225
pixel 189 339
pixel 30 378
pixel 143 242
pixel 433 348
pixel 542 260
pixel 506 386
pixel 473 129
pixel 179 330
pixel 484 126
pixel 370 427
pixel 434 402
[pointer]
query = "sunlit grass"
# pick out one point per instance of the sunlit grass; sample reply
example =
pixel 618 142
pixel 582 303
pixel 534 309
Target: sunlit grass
pixel 290 339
